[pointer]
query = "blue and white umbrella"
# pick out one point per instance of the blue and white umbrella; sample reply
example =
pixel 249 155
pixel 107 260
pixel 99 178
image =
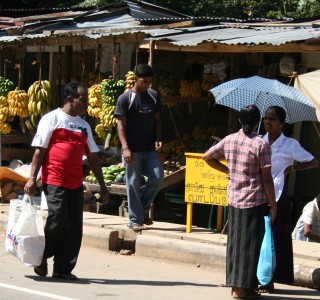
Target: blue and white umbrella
pixel 264 93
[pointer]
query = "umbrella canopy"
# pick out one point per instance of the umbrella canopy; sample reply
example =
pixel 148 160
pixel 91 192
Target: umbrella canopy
pixel 308 84
pixel 264 93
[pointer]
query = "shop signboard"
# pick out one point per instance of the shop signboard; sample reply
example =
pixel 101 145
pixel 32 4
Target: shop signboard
pixel 204 185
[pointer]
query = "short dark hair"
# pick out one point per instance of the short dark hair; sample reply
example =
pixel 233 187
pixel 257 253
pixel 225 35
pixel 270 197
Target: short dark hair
pixel 280 113
pixel 143 70
pixel 249 118
pixel 71 89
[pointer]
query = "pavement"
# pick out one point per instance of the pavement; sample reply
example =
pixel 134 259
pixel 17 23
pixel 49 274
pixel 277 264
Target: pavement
pixel 170 241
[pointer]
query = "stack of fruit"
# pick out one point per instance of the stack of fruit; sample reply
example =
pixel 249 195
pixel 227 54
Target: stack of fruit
pixel 10 189
pixel 113 173
pixel 39 100
pixel 94 100
pixel 94 78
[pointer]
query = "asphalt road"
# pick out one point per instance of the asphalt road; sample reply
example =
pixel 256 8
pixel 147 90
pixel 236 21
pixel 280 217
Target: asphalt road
pixel 106 275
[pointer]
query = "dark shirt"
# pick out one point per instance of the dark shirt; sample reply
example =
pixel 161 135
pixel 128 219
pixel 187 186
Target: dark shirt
pixel 139 110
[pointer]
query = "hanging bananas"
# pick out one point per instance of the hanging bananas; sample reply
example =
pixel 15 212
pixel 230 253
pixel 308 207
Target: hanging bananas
pixel 101 131
pixel 39 100
pixel 129 80
pixel 6 86
pixel 190 88
pixel 18 103
pixel 94 100
pixel 4 113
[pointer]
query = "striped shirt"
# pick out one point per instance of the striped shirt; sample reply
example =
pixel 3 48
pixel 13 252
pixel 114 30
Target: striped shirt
pixel 245 156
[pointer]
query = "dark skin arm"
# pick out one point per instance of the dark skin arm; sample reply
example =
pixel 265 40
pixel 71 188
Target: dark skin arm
pixel 37 160
pixel 158 144
pixel 301 166
pixel 269 190
pixel 310 234
pixel 94 163
pixel 127 155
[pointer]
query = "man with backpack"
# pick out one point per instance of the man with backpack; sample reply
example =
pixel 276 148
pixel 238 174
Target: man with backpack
pixel 139 130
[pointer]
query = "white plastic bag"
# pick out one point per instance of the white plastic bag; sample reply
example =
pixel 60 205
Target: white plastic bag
pixel 25 235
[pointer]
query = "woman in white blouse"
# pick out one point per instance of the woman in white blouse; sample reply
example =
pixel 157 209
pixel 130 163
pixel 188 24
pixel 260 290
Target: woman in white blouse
pixel 287 156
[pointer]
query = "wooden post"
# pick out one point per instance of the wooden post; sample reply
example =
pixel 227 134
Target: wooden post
pixel 151 48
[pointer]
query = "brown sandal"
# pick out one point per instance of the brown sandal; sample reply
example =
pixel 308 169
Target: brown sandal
pixel 138 227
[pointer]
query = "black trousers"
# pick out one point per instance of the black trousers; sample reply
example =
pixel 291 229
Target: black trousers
pixel 63 229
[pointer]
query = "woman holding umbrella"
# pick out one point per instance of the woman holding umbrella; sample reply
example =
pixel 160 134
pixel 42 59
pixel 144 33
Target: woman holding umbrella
pixel 250 188
pixel 287 156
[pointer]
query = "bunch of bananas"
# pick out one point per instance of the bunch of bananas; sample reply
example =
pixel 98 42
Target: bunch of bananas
pixel 190 88
pixel 209 80
pixel 94 78
pixel 39 100
pixel 5 127
pixel 101 131
pixel 130 80
pixel 111 90
pixel 4 113
pixel 166 86
pixel 6 86
pixel 94 100
pixel 107 117
pixel 18 103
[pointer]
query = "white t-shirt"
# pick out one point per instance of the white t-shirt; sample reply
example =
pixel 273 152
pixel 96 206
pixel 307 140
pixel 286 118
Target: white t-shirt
pixel 67 139
pixel 310 215
pixel 285 151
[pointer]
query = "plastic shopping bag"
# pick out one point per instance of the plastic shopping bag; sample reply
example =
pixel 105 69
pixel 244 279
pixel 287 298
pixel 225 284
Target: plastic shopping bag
pixel 267 258
pixel 25 234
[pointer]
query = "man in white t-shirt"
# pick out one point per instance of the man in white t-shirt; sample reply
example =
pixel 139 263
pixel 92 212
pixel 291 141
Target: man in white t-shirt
pixel 308 225
pixel 62 138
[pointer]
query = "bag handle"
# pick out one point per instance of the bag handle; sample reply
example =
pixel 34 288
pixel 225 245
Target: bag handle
pixel 27 199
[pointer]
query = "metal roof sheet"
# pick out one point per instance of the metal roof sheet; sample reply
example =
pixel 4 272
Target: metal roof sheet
pixel 235 35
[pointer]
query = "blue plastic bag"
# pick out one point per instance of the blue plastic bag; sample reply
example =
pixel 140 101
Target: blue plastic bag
pixel 267 258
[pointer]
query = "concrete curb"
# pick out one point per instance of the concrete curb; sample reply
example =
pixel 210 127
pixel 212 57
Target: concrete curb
pixel 101 238
pixel 181 251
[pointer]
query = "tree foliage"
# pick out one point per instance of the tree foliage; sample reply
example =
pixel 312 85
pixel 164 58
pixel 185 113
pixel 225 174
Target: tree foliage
pixel 242 9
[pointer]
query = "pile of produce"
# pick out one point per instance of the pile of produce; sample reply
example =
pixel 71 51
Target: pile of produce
pixel 10 190
pixel 113 173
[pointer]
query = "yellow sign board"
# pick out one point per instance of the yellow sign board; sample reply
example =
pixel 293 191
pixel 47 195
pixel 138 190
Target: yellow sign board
pixel 204 184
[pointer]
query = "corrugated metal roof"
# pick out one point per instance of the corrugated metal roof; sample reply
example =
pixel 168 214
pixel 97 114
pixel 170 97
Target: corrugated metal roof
pixel 234 35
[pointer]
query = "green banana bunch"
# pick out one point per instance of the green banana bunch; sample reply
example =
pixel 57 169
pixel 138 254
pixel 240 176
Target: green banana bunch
pixel 6 86
pixel 111 90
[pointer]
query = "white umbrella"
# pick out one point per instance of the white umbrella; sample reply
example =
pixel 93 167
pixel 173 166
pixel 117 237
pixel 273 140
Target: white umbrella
pixel 264 93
